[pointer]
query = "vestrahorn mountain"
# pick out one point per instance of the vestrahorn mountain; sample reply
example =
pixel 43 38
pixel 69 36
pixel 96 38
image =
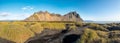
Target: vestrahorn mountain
pixel 46 16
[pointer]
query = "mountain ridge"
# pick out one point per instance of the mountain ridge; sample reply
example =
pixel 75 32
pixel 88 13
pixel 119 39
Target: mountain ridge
pixel 46 16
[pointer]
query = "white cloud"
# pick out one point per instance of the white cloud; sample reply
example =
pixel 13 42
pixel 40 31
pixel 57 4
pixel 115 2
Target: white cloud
pixel 27 8
pixel 13 16
pixel 3 14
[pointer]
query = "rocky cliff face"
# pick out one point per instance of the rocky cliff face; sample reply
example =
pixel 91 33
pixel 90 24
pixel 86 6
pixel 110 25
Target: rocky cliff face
pixel 46 16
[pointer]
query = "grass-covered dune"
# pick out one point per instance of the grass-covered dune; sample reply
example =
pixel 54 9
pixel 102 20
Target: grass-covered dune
pixel 20 31
pixel 100 33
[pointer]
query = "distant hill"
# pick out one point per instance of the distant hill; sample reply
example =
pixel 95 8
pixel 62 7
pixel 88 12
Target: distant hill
pixel 46 16
pixel 101 22
pixel 87 21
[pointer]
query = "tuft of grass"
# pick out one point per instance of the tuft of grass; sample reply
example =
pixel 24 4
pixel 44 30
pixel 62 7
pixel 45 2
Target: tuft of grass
pixel 89 36
pixel 37 28
pixel 54 25
pixel 96 27
pixel 15 32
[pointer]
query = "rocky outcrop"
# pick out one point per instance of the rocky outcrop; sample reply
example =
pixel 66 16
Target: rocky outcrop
pixel 57 36
pixel 46 16
pixel 112 28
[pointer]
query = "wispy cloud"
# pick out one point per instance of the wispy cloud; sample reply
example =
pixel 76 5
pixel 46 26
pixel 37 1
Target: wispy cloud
pixel 27 8
pixel 4 14
pixel 13 16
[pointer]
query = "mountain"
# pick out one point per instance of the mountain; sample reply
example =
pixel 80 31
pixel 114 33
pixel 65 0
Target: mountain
pixel 46 16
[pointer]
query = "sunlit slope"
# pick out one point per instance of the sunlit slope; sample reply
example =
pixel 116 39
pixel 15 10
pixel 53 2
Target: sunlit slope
pixel 19 32
pixel 15 32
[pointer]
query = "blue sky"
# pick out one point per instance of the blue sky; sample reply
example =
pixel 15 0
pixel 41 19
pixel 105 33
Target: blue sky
pixel 97 10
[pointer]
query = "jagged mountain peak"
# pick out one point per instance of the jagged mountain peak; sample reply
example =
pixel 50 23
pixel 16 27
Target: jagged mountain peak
pixel 46 16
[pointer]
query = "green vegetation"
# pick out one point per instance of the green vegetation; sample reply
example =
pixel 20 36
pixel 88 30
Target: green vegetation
pixel 93 36
pixel 37 28
pixel 96 27
pixel 19 32
pixel 15 32
pixel 79 24
pixel 53 25
pixel 98 33
pixel 89 36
